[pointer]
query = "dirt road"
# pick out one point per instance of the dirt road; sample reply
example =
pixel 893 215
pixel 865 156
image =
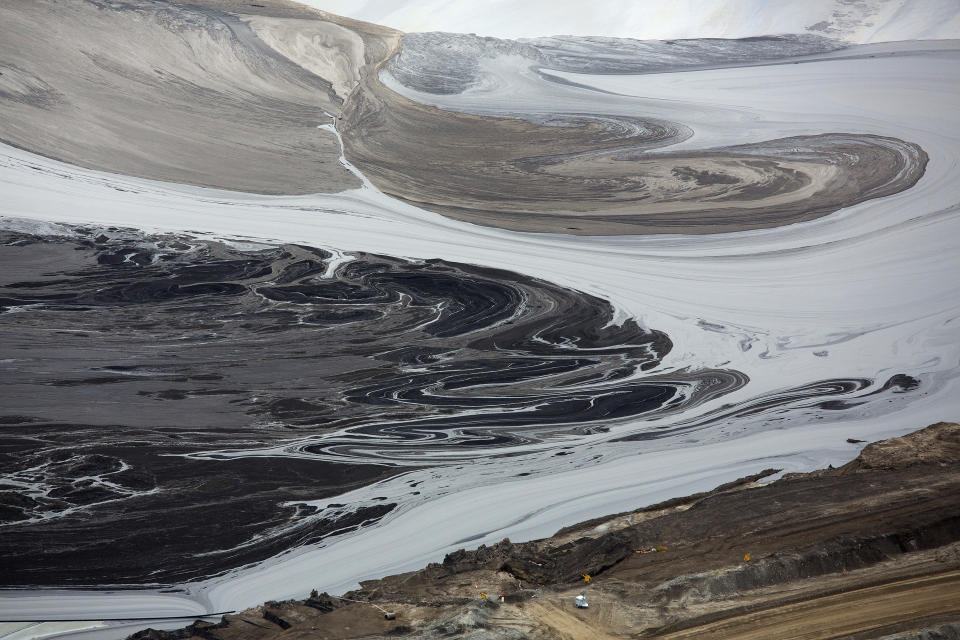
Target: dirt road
pixel 841 614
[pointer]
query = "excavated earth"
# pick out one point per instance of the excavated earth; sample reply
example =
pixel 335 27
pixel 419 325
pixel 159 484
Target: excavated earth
pixel 867 550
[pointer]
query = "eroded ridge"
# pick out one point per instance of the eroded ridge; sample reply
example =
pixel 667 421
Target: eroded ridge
pixel 139 369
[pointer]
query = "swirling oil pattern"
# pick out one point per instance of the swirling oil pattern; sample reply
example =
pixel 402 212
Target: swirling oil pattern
pixel 405 293
pixel 607 169
pixel 205 394
pixel 132 347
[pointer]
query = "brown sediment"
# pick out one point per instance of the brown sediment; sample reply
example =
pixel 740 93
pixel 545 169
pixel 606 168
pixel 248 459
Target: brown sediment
pixel 583 179
pixel 578 179
pixel 869 550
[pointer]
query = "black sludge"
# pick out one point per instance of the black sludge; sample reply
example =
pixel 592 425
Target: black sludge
pixel 123 354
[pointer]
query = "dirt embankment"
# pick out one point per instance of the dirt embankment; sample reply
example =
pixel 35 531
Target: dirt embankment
pixel 867 550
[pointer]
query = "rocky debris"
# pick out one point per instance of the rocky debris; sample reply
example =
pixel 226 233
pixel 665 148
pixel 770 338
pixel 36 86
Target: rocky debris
pixel 569 562
pixel 939 443
pixel 948 631
pixel 476 621
pixel 323 602
pixel 270 616
pixel 531 563
pixel 949 554
pixel 198 629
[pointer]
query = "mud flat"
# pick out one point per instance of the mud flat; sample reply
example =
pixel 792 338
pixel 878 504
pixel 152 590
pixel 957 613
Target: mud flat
pixel 867 550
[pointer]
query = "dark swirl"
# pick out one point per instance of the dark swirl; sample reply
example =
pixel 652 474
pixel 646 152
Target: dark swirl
pixel 126 349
